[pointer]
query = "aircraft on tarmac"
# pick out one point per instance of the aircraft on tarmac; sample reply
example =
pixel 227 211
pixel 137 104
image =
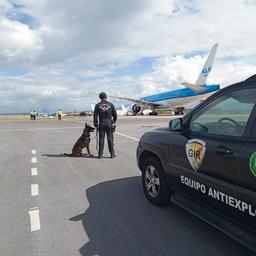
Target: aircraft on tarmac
pixel 50 114
pixel 46 114
pixel 177 99
pixel 123 111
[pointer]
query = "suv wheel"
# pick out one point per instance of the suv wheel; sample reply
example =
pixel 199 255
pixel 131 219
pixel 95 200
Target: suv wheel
pixel 154 183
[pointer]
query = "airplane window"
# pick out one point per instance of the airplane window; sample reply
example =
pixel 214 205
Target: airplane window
pixel 227 115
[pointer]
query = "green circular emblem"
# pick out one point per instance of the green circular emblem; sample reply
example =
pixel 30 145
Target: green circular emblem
pixel 253 163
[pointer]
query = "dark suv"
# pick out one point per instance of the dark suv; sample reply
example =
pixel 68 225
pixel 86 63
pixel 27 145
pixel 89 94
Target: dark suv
pixel 206 162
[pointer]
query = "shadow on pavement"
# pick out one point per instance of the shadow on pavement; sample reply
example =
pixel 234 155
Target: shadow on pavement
pixel 54 155
pixel 120 221
pixel 63 155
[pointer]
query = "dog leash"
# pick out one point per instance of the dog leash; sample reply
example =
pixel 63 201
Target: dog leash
pixel 94 137
pixel 97 139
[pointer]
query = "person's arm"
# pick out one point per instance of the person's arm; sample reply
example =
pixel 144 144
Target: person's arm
pixel 114 114
pixel 95 116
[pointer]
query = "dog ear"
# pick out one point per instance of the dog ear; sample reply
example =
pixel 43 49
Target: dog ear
pixel 85 125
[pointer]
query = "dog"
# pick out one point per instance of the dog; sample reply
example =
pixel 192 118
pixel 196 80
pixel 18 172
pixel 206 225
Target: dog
pixel 82 142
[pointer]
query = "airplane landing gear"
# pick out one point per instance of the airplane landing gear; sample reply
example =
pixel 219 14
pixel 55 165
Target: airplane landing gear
pixel 153 113
pixel 179 111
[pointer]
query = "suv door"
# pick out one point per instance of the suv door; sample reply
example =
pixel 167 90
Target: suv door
pixel 246 190
pixel 203 159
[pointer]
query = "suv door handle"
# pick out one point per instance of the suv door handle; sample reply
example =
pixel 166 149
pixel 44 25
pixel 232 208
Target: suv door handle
pixel 223 151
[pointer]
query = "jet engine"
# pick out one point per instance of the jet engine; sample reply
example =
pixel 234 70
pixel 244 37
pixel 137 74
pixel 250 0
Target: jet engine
pixel 136 109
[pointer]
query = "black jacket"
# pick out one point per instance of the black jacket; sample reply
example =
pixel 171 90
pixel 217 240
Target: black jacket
pixel 104 114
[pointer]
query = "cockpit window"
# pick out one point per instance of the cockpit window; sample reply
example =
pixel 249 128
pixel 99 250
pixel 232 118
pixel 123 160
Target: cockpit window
pixel 227 115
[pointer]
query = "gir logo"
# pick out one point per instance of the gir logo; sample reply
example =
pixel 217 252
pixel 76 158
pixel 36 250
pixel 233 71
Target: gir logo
pixel 252 164
pixel 195 150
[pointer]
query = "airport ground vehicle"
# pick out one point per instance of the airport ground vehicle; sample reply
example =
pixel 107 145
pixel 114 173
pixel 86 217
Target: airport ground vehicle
pixel 206 162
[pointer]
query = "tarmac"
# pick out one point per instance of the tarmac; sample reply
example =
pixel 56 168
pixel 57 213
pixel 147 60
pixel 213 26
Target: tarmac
pixel 52 204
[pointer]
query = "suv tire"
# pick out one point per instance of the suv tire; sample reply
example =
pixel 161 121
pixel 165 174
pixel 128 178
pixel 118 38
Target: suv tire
pixel 154 183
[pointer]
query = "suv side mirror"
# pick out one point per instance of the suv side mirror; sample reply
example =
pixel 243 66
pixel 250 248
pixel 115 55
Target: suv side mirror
pixel 175 124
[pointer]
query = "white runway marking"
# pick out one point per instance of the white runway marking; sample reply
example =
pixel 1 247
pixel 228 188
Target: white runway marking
pixel 126 136
pixel 33 171
pixel 34 219
pixel 33 152
pixel 34 190
pixel 33 160
pixel 40 129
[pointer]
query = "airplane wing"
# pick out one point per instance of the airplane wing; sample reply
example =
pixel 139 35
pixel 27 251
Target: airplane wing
pixel 138 101
pixel 187 101
pixel 194 87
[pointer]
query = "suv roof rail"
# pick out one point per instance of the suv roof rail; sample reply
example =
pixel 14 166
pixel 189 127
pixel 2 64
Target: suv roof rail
pixel 251 79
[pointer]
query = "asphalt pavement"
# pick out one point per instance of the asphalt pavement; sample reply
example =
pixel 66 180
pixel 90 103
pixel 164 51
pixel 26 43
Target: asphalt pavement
pixel 52 204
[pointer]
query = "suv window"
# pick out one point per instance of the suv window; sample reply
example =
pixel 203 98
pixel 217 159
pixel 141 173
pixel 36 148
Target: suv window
pixel 226 115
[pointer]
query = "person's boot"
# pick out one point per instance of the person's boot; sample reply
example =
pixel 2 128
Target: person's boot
pixel 100 156
pixel 113 155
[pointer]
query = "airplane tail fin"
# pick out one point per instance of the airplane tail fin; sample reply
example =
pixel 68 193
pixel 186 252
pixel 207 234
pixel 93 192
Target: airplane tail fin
pixel 124 108
pixel 92 107
pixel 207 67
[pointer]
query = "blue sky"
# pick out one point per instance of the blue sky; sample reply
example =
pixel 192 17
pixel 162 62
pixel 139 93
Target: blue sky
pixel 136 69
pixel 17 13
pixel 12 72
pixel 53 52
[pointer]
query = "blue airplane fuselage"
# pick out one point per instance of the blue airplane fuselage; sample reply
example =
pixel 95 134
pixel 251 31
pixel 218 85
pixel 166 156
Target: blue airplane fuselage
pixel 180 93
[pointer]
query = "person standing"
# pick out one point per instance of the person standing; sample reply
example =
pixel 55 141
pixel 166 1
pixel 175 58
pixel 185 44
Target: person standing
pixel 59 114
pixel 31 114
pixel 104 120
pixel 34 114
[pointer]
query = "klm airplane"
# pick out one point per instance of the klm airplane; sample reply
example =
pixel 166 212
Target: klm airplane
pixel 177 99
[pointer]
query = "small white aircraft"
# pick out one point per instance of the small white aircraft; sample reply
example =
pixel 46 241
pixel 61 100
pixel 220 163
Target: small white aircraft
pixel 177 99
pixel 123 111
pixel 92 107
pixel 46 114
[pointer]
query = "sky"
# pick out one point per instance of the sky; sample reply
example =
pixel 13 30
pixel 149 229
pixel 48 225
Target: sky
pixel 54 53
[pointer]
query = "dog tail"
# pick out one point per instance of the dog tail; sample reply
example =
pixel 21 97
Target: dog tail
pixel 66 154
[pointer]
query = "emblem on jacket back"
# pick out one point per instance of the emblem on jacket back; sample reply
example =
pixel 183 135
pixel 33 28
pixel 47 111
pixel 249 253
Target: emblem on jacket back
pixel 104 107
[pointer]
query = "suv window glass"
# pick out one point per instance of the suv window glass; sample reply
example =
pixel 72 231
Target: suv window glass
pixel 226 115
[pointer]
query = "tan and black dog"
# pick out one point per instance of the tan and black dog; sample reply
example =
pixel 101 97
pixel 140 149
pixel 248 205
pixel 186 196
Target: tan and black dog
pixel 82 142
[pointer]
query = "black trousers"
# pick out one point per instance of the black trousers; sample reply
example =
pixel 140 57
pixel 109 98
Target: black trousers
pixel 106 129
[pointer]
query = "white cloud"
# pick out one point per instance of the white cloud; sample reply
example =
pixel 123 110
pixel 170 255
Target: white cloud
pixel 94 73
pixel 229 73
pixel 77 46
pixel 170 72
pixel 18 43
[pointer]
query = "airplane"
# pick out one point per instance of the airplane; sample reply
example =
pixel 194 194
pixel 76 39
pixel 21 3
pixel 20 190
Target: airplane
pixel 123 111
pixel 120 112
pixel 50 114
pixel 46 114
pixel 177 99
pixel 92 107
